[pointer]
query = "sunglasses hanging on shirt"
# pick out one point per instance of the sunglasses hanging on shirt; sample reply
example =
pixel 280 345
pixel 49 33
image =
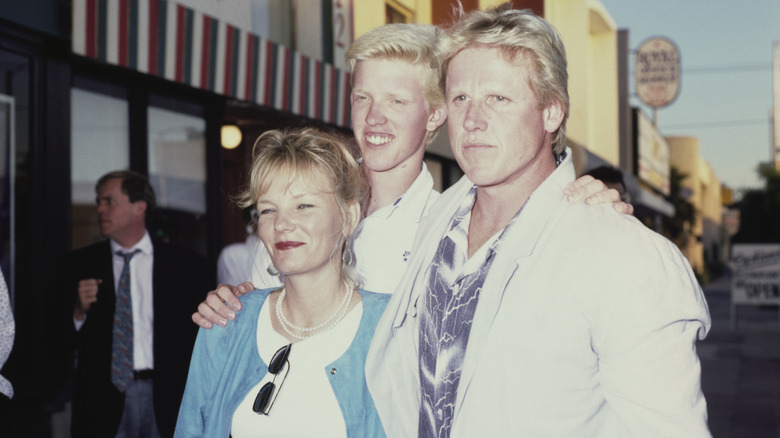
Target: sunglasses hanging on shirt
pixel 268 393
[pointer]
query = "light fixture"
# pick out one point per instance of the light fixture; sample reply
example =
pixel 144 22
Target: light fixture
pixel 231 136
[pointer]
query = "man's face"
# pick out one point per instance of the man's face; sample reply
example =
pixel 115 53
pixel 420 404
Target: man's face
pixel 116 214
pixel 390 115
pixel 498 134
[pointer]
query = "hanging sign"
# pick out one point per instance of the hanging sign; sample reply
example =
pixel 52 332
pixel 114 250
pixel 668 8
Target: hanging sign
pixel 657 72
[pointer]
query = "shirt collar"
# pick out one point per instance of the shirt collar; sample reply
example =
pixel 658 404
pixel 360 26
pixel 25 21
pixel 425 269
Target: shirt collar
pixel 412 202
pixel 145 245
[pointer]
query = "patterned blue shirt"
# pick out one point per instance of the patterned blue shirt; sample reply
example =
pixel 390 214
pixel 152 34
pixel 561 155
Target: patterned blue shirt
pixel 454 285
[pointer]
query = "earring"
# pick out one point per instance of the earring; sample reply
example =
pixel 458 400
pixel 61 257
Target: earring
pixel 272 270
pixel 348 257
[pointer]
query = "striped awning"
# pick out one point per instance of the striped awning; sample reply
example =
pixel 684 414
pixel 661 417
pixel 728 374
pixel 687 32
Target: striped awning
pixel 165 39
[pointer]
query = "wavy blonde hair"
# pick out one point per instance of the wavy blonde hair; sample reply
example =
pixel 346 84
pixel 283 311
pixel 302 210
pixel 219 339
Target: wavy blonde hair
pixel 516 33
pixel 308 152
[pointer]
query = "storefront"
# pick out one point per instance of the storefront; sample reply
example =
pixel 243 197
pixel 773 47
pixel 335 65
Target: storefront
pixel 145 85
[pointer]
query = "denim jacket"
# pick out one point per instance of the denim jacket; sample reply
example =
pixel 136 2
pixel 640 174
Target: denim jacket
pixel 225 367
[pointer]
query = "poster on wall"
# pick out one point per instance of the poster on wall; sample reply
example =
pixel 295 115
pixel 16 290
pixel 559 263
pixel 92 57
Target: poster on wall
pixel 7 248
pixel 343 34
pixel 653 155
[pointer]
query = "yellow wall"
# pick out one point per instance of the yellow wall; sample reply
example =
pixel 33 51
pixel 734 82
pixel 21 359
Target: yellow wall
pixel 712 214
pixel 705 197
pixel 590 36
pixel 684 155
pixel 369 14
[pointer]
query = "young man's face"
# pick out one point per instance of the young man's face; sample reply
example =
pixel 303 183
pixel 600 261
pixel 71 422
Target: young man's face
pixel 390 115
pixel 498 133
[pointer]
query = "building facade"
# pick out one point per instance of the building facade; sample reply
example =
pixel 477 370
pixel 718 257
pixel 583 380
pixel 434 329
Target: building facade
pixel 90 86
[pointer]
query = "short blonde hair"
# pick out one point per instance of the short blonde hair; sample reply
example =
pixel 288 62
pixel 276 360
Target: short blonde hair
pixel 308 152
pixel 412 43
pixel 516 33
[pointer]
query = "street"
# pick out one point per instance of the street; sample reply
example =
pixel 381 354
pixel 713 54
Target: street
pixel 741 368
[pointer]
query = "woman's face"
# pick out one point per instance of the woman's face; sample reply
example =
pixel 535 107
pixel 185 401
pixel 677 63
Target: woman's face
pixel 301 225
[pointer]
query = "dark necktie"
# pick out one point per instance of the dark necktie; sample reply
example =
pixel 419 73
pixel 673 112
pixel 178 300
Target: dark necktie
pixel 122 348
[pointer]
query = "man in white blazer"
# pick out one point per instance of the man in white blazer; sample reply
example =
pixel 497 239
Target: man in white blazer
pixel 521 314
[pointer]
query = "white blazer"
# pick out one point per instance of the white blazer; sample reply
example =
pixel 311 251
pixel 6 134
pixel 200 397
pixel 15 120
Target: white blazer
pixel 586 326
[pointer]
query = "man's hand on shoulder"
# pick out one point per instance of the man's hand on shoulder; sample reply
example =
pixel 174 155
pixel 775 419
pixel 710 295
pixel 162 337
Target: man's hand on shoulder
pixel 595 192
pixel 221 305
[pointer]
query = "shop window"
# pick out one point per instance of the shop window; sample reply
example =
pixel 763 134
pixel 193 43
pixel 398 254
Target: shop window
pixel 177 170
pixel 15 117
pixel 7 219
pixel 177 160
pixel 99 144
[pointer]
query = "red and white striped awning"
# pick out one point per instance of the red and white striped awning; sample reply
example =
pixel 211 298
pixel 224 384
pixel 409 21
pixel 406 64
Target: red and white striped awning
pixel 165 39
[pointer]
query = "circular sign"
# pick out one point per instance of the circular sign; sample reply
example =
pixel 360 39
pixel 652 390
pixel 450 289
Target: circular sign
pixel 657 72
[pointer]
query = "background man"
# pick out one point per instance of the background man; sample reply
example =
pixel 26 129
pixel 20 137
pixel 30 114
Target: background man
pixel 131 365
pixel 522 314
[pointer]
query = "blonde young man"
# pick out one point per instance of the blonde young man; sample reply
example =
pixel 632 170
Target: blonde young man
pixel 397 109
pixel 522 314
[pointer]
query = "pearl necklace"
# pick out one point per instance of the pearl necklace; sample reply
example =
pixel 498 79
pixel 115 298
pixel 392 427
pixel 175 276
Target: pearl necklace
pixel 340 312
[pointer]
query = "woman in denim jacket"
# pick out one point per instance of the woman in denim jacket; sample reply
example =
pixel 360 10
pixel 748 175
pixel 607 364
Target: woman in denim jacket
pixel 293 363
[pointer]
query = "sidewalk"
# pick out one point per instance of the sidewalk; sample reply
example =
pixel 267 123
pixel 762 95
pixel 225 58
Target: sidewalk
pixel 741 368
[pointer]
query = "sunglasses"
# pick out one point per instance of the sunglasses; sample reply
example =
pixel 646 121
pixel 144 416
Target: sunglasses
pixel 263 401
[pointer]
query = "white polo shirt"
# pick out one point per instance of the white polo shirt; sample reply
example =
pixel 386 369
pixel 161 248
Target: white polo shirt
pixel 383 241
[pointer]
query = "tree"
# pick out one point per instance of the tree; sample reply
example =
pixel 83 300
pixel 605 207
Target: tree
pixel 760 211
pixel 677 228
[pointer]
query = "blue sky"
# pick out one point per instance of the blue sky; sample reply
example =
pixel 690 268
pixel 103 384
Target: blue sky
pixel 726 86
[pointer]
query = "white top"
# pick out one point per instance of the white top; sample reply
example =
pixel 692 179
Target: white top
pixel 234 265
pixel 141 269
pixel 306 392
pixel 382 243
pixel 586 326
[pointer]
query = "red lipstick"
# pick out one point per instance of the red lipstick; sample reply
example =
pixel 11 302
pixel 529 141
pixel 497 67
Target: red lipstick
pixel 283 246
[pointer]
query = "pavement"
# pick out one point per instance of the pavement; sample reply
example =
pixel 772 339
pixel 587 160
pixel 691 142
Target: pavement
pixel 741 367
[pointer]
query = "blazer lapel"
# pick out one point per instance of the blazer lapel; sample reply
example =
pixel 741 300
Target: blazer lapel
pixel 429 234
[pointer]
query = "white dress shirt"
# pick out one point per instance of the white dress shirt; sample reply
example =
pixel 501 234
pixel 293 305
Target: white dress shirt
pixel 141 269
pixel 382 243
pixel 235 262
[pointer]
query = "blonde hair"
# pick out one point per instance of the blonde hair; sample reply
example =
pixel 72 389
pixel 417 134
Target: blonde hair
pixel 412 43
pixel 308 152
pixel 516 33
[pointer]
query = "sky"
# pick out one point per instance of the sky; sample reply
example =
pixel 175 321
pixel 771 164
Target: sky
pixel 726 83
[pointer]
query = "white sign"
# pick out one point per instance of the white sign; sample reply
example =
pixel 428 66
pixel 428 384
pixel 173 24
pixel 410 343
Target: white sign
pixel 342 31
pixel 756 278
pixel 653 152
pixel 657 72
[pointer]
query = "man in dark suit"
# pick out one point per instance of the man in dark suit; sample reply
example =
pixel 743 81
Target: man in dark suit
pixel 142 398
